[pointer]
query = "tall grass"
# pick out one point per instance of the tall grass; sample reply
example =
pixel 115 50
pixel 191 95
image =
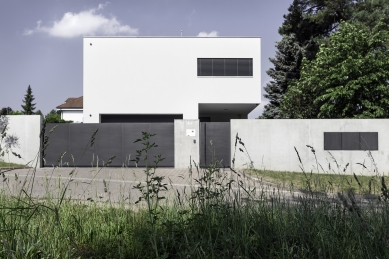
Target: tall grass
pixel 222 214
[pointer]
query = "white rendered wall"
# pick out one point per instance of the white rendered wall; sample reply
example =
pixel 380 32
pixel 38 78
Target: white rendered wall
pixel 131 75
pixel 271 143
pixel 76 116
pixel 27 128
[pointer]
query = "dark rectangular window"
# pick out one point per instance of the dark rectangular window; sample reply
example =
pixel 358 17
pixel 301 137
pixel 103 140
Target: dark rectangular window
pixel 139 118
pixel 244 67
pixel 218 67
pixel 231 67
pixel 206 67
pixel 224 67
pixel 350 140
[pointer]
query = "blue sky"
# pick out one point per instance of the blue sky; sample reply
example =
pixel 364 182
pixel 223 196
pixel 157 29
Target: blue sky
pixel 41 40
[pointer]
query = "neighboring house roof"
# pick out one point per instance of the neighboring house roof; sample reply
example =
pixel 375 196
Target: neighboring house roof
pixel 72 103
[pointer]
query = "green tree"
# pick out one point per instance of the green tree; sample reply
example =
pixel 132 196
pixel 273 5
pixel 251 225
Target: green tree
pixel 28 107
pixel 348 79
pixel 369 12
pixel 305 26
pixel 38 112
pixel 5 111
pixel 55 117
pixel 286 68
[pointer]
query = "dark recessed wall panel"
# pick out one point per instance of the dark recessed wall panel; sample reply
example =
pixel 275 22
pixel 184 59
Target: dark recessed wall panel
pixel 332 140
pixel 350 141
pixel 369 140
pixel 109 143
pixel 58 143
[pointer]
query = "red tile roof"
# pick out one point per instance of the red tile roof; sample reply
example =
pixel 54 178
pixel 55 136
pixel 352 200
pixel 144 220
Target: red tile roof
pixel 72 103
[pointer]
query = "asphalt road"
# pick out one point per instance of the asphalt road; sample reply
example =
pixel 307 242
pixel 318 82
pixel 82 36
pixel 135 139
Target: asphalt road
pixel 117 184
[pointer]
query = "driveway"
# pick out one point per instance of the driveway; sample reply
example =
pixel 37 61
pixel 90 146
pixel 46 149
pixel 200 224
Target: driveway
pixel 116 184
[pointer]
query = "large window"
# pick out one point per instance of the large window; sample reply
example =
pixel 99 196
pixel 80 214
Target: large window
pixel 224 67
pixel 350 140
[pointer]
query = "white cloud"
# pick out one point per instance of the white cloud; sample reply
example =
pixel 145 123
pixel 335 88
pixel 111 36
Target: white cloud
pixel 84 23
pixel 211 34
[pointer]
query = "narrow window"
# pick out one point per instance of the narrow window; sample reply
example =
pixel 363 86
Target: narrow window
pixel 218 67
pixel 206 67
pixel 243 67
pixel 231 66
pixel 224 67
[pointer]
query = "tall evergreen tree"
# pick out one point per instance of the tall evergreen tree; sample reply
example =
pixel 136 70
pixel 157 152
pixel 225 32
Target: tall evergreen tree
pixel 286 68
pixel 28 107
pixel 304 28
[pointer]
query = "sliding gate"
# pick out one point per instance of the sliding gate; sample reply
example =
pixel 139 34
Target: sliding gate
pixel 70 144
pixel 215 143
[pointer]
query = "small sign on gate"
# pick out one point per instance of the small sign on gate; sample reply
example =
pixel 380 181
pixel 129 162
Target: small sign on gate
pixel 191 133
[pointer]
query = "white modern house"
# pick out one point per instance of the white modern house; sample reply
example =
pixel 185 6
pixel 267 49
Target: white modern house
pixel 159 79
pixel 72 110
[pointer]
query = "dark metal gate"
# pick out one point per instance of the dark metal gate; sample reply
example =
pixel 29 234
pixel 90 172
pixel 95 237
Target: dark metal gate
pixel 112 139
pixel 215 143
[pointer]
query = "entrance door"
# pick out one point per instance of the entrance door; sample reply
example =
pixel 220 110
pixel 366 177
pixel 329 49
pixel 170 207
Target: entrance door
pixel 215 143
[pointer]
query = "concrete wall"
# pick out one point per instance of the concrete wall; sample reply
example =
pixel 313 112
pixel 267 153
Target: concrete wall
pixel 158 75
pixel 27 128
pixel 186 142
pixel 271 143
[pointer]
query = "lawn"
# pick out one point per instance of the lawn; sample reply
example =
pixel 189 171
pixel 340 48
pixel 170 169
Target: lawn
pixel 329 183
pixel 12 165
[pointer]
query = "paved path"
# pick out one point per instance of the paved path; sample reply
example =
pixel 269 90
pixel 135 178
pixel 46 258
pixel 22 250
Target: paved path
pixel 114 184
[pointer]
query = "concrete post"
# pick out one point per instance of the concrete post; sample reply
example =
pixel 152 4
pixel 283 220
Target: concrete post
pixel 186 143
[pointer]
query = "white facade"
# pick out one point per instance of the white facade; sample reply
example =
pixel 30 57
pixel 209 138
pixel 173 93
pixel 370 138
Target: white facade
pixel 148 75
pixel 75 115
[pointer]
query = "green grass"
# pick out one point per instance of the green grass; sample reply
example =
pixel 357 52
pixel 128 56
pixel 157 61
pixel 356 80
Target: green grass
pixel 6 164
pixel 209 222
pixel 329 183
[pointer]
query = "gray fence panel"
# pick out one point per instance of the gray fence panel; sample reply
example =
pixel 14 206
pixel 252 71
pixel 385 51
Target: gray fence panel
pixel 116 139
pixel 58 143
pixel 132 132
pixel 332 141
pixel 369 140
pixel 79 143
pixel 164 138
pixel 219 134
pixel 109 143
pixel 202 146
pixel 350 141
